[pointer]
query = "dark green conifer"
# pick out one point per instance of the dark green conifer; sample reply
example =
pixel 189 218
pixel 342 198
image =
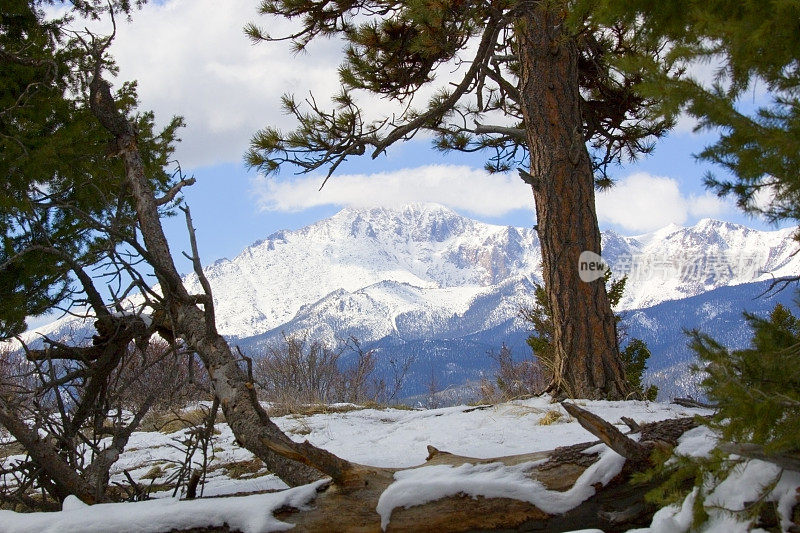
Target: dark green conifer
pixel 757 395
pixel 756 390
pixel 62 203
pixel 634 355
pixel 753 101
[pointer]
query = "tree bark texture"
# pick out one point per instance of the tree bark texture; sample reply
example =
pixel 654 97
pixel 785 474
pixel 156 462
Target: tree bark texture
pixel 587 361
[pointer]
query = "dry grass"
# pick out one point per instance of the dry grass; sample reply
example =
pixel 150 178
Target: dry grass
pixel 302 427
pixel 172 421
pixel 519 410
pixel 245 469
pixel 550 417
pixel 305 409
pixel 154 473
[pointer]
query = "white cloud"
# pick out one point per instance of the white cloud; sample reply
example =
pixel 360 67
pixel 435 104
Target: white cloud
pixel 459 187
pixel 642 202
pixel 638 203
pixel 192 58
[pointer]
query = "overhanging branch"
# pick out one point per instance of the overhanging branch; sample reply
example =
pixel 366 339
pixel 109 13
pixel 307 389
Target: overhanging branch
pixel 493 27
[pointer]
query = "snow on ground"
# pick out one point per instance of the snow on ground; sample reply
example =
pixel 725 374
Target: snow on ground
pixel 249 514
pixel 379 437
pixel 743 485
pixel 398 438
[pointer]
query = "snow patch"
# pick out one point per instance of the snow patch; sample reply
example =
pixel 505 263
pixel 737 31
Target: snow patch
pixel 249 514
pixel 744 484
pixel 697 442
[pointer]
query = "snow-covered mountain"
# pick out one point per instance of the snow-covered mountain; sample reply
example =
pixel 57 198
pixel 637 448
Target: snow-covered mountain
pixel 377 267
pixel 676 262
pixel 426 279
pixel 424 270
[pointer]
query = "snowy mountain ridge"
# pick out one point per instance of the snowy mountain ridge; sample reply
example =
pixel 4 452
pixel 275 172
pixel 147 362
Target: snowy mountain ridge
pixel 411 271
pixel 424 271
pixel 420 257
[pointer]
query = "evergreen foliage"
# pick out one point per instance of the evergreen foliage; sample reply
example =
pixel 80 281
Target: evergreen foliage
pixel 540 317
pixel 757 393
pixel 757 390
pixel 61 191
pixel 634 360
pixel 395 49
pixel 756 46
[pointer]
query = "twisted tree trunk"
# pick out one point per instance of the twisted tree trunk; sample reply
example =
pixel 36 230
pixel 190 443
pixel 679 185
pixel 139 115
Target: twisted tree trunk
pixel 294 463
pixel 587 360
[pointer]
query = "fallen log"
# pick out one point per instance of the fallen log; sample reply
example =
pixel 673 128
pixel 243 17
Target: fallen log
pixel 787 461
pixel 692 403
pixel 558 477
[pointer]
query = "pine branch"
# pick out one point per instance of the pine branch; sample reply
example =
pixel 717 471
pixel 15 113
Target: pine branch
pixel 490 34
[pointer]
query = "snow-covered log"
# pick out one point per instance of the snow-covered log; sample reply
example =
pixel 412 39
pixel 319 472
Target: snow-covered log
pixel 574 487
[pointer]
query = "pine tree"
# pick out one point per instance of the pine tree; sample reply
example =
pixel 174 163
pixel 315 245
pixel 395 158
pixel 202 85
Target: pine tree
pixel 757 394
pixel 634 356
pixel 757 46
pixel 756 390
pixel 59 186
pixel 67 220
pixel 540 83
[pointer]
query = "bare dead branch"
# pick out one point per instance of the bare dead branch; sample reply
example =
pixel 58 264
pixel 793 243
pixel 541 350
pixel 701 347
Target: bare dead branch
pixel 516 133
pixel 692 403
pixel 208 303
pixel 174 190
pixel 608 433
pixel 632 424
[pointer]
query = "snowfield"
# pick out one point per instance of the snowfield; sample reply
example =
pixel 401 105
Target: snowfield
pixel 394 438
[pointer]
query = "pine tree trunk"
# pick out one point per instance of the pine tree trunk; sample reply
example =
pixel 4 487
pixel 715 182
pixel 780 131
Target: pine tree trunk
pixel 587 362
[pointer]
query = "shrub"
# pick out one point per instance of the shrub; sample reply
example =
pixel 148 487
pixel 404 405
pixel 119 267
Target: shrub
pixel 757 394
pixel 540 317
pixel 297 372
pixel 513 379
pixel 300 371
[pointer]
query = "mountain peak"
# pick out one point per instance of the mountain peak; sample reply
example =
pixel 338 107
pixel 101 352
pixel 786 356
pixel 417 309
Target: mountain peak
pixel 412 210
pixel 428 265
pixel 712 224
pixel 415 221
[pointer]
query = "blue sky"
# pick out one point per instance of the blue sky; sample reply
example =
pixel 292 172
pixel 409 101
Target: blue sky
pixel 191 58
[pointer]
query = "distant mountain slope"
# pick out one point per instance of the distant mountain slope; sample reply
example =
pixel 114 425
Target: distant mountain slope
pixel 442 259
pixel 717 313
pixel 426 263
pixel 427 281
